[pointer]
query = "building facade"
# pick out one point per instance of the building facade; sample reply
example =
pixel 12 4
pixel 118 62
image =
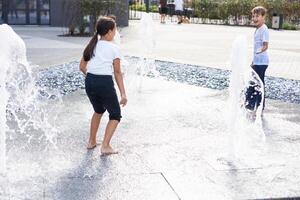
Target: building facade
pixel 25 12
pixel 45 12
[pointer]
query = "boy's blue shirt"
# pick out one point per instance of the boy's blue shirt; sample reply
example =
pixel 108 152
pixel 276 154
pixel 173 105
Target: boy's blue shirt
pixel 261 35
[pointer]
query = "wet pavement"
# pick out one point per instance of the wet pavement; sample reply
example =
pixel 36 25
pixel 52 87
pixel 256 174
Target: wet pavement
pixel 173 143
pixel 173 140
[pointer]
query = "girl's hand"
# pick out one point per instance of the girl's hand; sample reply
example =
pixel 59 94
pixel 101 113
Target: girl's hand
pixel 123 101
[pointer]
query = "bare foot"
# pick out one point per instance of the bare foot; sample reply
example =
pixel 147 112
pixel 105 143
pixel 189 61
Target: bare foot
pixel 91 145
pixel 108 150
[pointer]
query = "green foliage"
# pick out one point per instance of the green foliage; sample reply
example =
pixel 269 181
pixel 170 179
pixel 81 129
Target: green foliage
pixel 97 7
pixel 288 26
pixel 138 7
pixel 225 9
pixel 82 25
pixel 142 7
pixel 235 9
pixel 72 15
pixel 154 8
pixel 269 23
pixel 215 9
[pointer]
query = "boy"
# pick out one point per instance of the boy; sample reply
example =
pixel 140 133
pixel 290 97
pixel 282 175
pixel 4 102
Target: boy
pixel 260 56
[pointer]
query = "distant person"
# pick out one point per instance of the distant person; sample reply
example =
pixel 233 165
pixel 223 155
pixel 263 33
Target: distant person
pixel 171 8
pixel 179 10
pixel 163 11
pixel 101 59
pixel 260 55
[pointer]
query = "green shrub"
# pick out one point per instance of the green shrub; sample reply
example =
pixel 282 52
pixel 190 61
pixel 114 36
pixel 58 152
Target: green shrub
pixel 142 7
pixel 288 26
pixel 223 9
pixel 138 7
pixel 154 8
pixel 268 23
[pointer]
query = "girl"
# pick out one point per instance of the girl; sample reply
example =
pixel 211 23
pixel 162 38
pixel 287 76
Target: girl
pixel 99 57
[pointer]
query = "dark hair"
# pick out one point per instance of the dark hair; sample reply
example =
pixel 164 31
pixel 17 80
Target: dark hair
pixel 103 26
pixel 259 10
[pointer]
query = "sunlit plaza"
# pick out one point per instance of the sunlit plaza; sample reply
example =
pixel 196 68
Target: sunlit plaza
pixel 186 131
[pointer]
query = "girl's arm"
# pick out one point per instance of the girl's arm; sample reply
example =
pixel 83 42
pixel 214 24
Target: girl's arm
pixel 82 66
pixel 119 80
pixel 265 47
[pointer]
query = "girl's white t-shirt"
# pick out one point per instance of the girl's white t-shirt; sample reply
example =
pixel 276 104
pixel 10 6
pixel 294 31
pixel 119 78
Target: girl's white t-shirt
pixel 104 54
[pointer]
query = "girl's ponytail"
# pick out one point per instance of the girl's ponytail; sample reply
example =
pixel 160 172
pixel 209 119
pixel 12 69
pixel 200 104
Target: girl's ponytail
pixel 89 50
pixel 103 26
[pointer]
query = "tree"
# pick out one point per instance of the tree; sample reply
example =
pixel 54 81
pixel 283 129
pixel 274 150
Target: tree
pixel 206 9
pixel 233 9
pixel 72 15
pixel 223 11
pixel 96 8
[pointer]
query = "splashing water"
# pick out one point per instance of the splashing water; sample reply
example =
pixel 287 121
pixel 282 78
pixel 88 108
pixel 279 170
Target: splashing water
pixel 124 63
pixel 22 103
pixel 146 65
pixel 146 33
pixel 243 130
pixel 12 54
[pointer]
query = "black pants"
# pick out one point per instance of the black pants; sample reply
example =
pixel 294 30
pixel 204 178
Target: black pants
pixel 254 97
pixel 102 94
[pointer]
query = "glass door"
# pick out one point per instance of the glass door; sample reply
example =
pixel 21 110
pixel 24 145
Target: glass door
pixel 25 12
pixel 16 11
pixel 44 12
pixel 32 11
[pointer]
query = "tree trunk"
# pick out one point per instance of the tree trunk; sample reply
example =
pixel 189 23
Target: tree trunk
pixel 92 24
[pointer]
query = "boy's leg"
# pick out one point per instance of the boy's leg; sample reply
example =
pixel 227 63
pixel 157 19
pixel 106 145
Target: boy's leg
pixel 250 98
pixel 261 70
pixel 94 129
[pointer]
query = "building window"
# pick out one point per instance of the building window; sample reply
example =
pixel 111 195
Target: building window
pixel 1 12
pixel 25 11
pixel 16 12
pixel 45 11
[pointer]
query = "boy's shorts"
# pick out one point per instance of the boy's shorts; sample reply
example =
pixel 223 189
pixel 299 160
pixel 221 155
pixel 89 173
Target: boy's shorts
pixel 102 95
pixel 254 96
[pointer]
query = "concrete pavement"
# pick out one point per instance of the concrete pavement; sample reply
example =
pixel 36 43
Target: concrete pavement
pixel 204 45
pixel 210 45
pixel 174 141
